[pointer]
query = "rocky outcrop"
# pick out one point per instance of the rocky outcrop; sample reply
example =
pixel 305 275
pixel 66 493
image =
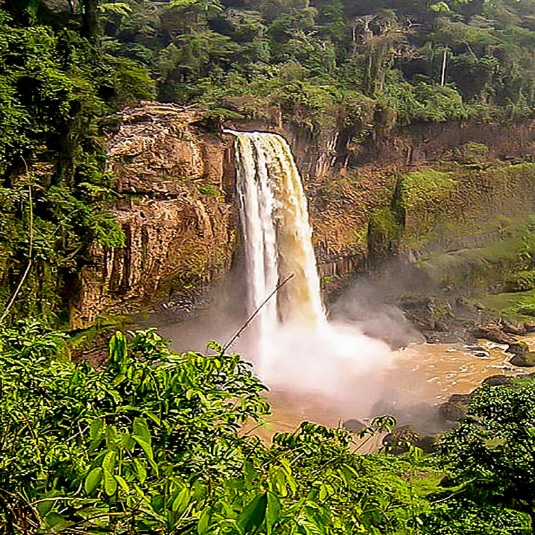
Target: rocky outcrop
pixel 376 201
pixel 175 179
pixel 180 229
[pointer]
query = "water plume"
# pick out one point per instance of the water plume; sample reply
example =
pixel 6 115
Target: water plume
pixel 297 348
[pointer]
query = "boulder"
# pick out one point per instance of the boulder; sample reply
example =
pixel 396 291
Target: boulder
pixel 477 351
pixel 353 426
pixel 428 443
pixel 401 439
pixel 518 348
pixel 494 333
pixel 498 380
pixel 454 409
pixel 514 328
pixel 524 360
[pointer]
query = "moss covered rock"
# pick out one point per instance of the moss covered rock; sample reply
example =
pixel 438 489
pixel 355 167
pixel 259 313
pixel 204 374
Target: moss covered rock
pixel 518 348
pixel 524 360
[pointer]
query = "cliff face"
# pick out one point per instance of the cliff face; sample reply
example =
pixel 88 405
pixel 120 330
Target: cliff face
pixel 180 230
pixel 370 175
pixel 175 179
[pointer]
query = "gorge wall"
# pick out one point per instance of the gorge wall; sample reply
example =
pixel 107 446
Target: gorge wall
pixel 392 191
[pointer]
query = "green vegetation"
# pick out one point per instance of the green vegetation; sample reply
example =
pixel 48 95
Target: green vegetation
pixel 152 444
pixel 402 60
pixel 54 89
pixel 384 233
pixel 425 187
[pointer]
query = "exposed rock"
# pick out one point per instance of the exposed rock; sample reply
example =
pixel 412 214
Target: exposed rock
pixel 498 380
pixel 477 351
pixel 354 426
pixel 518 348
pixel 494 333
pixel 524 360
pixel 180 231
pixel 401 439
pixel 454 409
pixel 428 443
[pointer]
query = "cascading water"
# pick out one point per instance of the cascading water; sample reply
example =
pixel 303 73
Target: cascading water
pixel 294 342
pixel 278 237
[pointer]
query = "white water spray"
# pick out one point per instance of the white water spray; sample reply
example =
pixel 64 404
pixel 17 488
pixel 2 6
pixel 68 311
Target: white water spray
pixel 295 343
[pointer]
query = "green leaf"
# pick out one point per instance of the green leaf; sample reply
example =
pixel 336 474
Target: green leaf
pixel 112 437
pixel 202 526
pixel 254 513
pixel 96 429
pixel 56 523
pixel 181 501
pixel 273 511
pixel 147 449
pixel 440 7
pixel 93 479
pixel 122 483
pixel 494 443
pixel 118 351
pixel 140 470
pixel 141 429
pixel 120 8
pixel 153 417
pixel 110 484
pixel 108 463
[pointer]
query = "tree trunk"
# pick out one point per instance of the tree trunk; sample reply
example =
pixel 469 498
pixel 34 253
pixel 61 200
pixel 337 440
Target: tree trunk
pixel 444 67
pixel 90 26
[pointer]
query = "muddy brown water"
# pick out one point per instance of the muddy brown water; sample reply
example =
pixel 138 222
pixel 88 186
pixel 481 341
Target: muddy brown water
pixel 422 374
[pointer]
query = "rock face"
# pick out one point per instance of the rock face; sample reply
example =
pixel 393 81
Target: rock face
pixel 180 230
pixel 175 179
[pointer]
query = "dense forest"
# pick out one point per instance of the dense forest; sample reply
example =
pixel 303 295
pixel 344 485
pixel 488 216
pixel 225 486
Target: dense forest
pixel 152 442
pixel 413 60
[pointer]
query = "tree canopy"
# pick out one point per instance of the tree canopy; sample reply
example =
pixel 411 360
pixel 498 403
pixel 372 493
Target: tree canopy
pixel 428 60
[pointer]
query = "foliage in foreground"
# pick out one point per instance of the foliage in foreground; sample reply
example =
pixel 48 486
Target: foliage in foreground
pixel 152 444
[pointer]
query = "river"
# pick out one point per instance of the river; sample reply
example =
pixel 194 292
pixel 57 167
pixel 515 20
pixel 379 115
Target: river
pixel 421 376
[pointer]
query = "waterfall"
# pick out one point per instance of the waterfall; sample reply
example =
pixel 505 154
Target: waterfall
pixel 294 345
pixel 277 233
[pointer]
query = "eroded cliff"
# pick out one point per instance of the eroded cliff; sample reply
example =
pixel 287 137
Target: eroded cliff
pixel 180 230
pixel 406 191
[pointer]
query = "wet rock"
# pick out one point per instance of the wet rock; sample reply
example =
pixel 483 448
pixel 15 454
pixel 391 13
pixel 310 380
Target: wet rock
pixel 524 360
pixel 477 351
pixel 473 348
pixel 353 426
pixel 513 328
pixel 401 439
pixel 518 348
pixel 428 443
pixel 494 333
pixel 498 380
pixel 455 408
